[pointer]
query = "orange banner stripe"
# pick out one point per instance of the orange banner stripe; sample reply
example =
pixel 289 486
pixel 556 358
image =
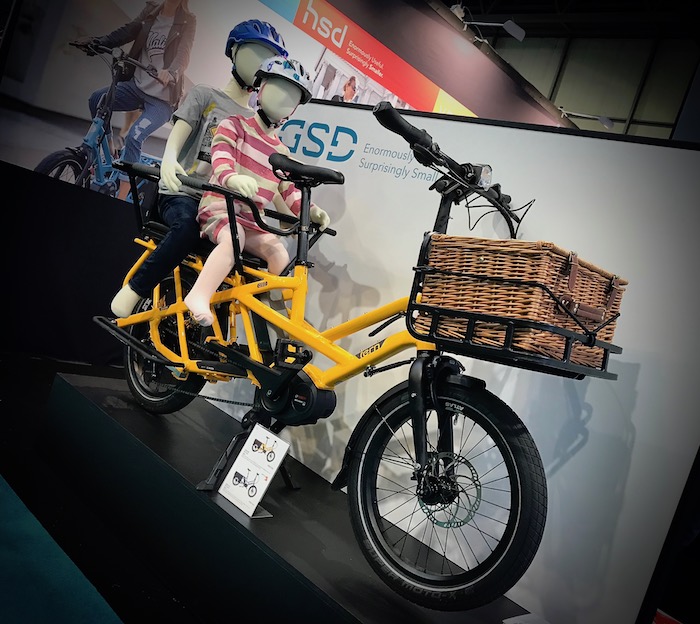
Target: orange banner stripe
pixel 343 37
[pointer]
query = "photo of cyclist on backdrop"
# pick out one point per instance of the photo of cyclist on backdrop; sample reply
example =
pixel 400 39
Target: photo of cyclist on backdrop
pixel 162 35
pixel 239 153
pixel 349 91
pixel 188 152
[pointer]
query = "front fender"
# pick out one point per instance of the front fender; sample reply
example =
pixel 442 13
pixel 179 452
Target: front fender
pixel 341 479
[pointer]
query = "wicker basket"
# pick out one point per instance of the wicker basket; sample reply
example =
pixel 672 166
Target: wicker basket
pixel 511 279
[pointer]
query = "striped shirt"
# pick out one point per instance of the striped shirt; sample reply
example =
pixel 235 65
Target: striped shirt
pixel 241 146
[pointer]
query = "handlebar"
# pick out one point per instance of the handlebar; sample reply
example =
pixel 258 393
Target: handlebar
pixel 92 48
pixel 390 118
pixel 428 153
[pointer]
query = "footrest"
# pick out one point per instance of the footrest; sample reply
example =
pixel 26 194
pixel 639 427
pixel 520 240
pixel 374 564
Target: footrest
pixel 291 354
pixel 124 336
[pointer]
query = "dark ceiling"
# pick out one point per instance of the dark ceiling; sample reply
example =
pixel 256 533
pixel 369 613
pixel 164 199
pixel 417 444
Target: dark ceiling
pixel 569 18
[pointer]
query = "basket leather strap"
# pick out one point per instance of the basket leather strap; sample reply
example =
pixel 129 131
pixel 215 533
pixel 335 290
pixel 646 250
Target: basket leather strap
pixel 573 270
pixel 613 292
pixel 581 310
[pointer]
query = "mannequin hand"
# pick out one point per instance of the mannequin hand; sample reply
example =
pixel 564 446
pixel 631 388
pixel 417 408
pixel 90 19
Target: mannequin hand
pixel 320 216
pixel 243 184
pixel 168 174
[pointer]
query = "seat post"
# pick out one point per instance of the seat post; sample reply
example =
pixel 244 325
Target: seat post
pixel 304 225
pixel 237 256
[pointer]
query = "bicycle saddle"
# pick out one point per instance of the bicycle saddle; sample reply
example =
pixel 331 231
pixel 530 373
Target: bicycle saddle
pixel 291 170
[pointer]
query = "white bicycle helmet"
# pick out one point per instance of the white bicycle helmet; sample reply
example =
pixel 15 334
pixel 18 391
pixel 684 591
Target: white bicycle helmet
pixel 288 69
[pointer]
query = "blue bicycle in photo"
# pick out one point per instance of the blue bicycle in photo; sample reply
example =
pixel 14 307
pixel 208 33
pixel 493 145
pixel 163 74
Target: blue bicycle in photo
pixel 91 164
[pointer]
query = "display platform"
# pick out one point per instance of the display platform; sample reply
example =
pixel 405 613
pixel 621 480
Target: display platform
pixel 301 563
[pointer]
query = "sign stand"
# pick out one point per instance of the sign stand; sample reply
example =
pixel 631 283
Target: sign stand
pixel 251 473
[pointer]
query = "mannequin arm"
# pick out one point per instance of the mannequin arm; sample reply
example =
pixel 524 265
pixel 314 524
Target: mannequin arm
pixel 288 201
pixel 281 206
pixel 169 167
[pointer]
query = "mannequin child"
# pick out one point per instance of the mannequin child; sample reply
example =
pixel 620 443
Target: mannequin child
pixel 187 151
pixel 240 152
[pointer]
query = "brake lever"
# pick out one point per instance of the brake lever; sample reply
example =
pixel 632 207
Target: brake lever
pixel 427 157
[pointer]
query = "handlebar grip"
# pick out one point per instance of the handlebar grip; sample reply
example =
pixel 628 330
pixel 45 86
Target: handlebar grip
pixel 141 170
pixel 200 185
pixel 392 120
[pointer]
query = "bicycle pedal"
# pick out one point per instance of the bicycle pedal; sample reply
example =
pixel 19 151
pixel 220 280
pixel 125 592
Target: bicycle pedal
pixel 291 354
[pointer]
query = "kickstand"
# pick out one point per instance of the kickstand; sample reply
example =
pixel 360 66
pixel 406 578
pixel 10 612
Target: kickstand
pixel 288 481
pixel 210 482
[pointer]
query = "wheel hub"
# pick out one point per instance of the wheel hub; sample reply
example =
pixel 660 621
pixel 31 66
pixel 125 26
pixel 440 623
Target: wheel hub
pixel 450 491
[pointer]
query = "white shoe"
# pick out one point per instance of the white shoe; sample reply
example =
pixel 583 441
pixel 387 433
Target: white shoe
pixel 124 302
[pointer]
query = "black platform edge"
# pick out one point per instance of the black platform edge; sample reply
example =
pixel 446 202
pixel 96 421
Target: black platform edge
pixel 211 557
pixel 220 561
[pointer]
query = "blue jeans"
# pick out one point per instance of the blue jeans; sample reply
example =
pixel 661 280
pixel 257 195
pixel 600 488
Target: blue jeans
pixel 180 213
pixel 128 97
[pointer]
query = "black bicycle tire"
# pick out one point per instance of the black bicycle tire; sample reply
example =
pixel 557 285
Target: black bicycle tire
pixel 502 569
pixel 56 162
pixel 177 394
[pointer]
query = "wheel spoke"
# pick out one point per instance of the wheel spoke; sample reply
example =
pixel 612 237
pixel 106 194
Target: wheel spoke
pixel 455 527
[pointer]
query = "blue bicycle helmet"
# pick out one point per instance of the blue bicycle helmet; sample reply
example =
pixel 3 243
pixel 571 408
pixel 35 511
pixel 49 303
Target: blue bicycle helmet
pixel 255 31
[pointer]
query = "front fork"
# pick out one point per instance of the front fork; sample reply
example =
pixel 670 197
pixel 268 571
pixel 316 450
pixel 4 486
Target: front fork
pixel 427 372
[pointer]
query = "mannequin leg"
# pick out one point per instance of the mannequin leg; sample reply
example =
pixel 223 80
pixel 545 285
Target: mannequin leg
pixel 216 268
pixel 179 212
pixel 270 248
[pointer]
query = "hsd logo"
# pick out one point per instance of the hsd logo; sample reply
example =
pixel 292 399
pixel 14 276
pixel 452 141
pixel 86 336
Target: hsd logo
pixel 324 26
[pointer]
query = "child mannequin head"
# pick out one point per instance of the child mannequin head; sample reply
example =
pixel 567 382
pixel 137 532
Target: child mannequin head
pixel 283 85
pixel 248 45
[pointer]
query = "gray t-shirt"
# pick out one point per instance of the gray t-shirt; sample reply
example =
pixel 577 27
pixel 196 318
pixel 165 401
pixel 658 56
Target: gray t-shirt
pixel 152 54
pixel 203 108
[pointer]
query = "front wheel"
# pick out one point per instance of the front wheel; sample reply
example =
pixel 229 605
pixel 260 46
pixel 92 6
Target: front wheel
pixel 152 384
pixel 66 165
pixel 461 533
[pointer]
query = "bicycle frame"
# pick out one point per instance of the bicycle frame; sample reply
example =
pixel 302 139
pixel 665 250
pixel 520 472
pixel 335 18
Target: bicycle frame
pixel 97 145
pixel 243 297
pixel 421 459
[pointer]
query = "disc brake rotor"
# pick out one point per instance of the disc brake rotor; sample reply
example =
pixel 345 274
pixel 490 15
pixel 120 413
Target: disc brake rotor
pixel 451 491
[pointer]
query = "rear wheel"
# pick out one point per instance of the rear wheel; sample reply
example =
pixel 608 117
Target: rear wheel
pixel 461 533
pixel 66 165
pixel 152 384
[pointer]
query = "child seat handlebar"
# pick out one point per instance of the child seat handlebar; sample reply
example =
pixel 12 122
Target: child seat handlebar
pixel 153 173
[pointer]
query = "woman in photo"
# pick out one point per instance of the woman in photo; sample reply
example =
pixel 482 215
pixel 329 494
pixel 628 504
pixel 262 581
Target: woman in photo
pixel 162 36
pixel 348 92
